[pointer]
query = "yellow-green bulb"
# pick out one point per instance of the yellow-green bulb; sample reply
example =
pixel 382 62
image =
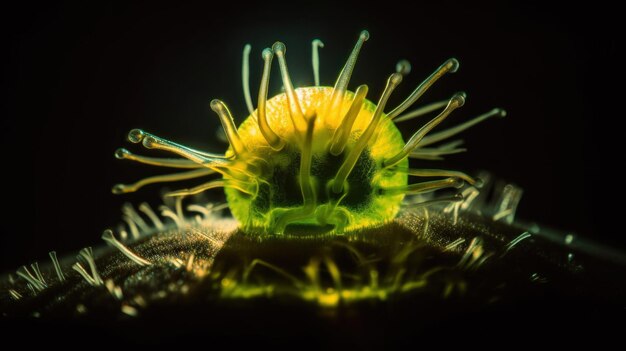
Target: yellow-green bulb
pixel 278 194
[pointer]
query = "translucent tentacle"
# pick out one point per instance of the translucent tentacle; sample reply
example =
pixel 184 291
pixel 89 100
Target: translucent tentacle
pixel 274 140
pixel 455 102
pixel 445 134
pixel 123 154
pixel 342 133
pixel 315 60
pixel 129 188
pixel 423 187
pixel 451 65
pixel 245 78
pixel 348 164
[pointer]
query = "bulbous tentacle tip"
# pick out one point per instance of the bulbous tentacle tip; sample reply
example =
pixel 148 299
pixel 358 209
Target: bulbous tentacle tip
pixel 365 35
pixel 318 43
pixel 279 48
pixel 459 98
pixel 453 64
pixel 395 79
pixel 457 198
pixel 478 183
pixel 118 189
pixel 267 53
pixel 403 67
pixel 121 153
pixel 457 182
pixel 149 142
pixel 216 105
pixel 135 136
pixel 499 112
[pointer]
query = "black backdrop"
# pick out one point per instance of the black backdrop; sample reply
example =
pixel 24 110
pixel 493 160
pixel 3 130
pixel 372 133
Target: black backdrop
pixel 76 77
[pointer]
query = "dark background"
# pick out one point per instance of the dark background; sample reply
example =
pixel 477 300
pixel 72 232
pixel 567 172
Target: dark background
pixel 76 77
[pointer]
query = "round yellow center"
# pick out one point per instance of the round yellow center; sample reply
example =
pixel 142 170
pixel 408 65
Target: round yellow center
pixel 277 202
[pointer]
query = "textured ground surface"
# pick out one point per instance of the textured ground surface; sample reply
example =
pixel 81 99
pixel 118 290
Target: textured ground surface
pixel 413 278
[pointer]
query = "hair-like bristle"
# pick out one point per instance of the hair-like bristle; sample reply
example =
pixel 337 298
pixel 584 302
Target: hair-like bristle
pixel 94 278
pixel 110 238
pixel 57 266
pixel 36 282
pixel 145 208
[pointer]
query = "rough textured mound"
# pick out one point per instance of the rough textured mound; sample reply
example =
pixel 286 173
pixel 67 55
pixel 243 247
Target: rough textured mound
pixel 419 276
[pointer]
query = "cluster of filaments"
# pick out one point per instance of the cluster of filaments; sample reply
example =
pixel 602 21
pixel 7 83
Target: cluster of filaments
pixel 241 170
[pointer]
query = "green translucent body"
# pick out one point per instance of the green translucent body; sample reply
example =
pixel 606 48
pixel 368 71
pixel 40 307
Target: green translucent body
pixel 276 173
